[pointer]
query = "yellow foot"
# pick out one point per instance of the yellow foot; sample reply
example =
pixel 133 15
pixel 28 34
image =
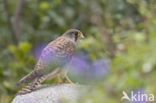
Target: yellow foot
pixel 71 82
pixel 68 80
pixel 59 80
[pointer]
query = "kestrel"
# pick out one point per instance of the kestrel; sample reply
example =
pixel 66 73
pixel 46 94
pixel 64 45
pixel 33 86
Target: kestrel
pixel 52 61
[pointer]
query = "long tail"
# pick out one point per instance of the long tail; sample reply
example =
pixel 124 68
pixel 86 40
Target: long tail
pixel 35 81
pixel 24 90
pixel 28 78
pixel 31 76
pixel 31 86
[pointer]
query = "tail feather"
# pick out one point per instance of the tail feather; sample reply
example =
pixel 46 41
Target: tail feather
pixel 35 78
pixel 28 78
pixel 31 86
pixel 24 90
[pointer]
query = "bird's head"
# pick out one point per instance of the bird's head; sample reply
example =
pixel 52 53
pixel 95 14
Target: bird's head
pixel 74 34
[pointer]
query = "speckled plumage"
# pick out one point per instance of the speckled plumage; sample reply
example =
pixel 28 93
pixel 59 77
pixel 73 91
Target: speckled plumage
pixel 53 57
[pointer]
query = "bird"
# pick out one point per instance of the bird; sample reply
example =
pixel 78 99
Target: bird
pixel 52 61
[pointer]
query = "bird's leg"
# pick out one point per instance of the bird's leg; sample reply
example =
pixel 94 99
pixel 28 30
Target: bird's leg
pixel 64 75
pixel 68 80
pixel 59 79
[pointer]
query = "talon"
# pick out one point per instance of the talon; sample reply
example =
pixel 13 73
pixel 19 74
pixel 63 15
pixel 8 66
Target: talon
pixel 71 82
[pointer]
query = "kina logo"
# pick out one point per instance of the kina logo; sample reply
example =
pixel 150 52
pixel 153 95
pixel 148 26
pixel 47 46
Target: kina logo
pixel 137 96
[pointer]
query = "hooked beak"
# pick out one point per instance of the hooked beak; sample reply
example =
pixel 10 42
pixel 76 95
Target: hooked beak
pixel 80 35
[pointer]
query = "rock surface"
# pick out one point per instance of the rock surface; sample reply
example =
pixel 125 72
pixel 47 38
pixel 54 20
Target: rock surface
pixel 50 94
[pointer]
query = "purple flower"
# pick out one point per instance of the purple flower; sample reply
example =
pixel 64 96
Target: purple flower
pixel 84 69
pixel 100 68
pixel 79 64
pixel 38 49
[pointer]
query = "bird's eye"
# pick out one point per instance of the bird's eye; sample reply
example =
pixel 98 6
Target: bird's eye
pixel 76 36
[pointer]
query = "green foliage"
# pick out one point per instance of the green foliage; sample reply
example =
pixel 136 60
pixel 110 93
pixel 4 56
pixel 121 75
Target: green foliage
pixel 15 62
pixel 132 27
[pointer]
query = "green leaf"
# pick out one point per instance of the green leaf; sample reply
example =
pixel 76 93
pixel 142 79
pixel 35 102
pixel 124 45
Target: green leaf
pixel 12 48
pixel 24 46
pixel 44 5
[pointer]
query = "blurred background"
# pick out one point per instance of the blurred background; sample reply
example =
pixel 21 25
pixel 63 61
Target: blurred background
pixel 118 52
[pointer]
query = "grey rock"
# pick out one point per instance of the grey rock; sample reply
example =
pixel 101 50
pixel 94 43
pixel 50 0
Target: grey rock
pixel 51 94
